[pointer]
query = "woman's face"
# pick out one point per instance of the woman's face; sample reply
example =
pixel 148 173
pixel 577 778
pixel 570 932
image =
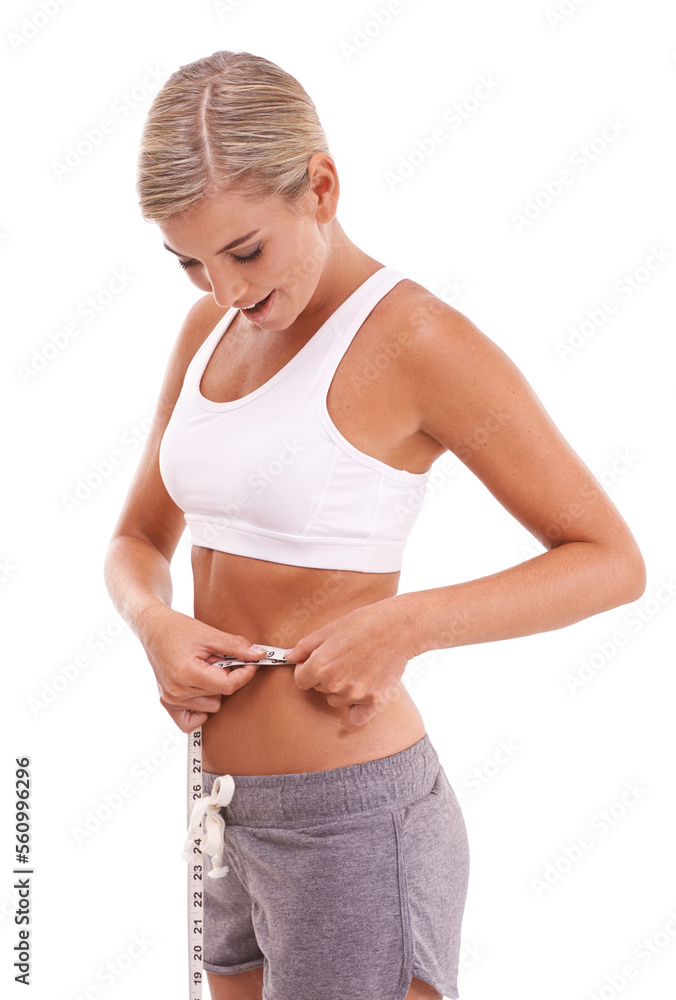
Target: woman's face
pixel 280 251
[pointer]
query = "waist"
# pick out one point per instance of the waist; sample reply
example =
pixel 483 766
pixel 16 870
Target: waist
pixel 382 783
pixel 270 725
pixel 274 602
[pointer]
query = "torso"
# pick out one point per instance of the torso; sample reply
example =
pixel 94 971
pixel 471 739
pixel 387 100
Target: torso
pixel 271 726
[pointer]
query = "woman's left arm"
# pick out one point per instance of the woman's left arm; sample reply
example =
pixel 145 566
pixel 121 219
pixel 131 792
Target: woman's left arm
pixel 472 399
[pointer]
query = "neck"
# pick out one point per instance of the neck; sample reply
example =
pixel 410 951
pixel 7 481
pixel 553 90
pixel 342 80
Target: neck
pixel 344 269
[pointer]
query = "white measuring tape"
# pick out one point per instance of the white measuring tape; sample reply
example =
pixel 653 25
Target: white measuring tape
pixel 273 654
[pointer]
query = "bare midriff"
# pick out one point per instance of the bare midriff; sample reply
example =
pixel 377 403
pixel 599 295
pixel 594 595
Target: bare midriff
pixel 270 725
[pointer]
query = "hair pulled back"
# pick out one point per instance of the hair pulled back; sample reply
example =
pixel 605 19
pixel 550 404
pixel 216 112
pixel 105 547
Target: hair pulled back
pixel 229 120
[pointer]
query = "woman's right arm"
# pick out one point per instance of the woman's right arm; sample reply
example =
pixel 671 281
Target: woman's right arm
pixel 137 565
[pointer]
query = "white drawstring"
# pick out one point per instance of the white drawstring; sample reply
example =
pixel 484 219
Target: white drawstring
pixel 213 842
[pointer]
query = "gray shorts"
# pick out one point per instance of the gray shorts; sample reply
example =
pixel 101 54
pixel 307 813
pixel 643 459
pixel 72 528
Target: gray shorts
pixel 343 883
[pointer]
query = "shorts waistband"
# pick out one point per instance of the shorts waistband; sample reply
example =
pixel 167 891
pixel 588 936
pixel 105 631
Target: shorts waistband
pixel 277 800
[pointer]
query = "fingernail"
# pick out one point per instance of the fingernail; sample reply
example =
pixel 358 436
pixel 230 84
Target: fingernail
pixel 257 649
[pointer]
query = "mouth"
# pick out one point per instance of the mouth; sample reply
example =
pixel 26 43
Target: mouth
pixel 257 307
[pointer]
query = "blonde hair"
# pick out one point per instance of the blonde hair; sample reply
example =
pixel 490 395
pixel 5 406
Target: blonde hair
pixel 231 119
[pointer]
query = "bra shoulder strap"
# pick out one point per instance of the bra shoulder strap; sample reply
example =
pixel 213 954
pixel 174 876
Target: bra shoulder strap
pixel 200 358
pixel 350 321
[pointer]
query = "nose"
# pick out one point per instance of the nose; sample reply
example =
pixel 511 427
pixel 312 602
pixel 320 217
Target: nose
pixel 226 288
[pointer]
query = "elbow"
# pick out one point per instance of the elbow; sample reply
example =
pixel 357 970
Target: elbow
pixel 635 580
pixel 627 571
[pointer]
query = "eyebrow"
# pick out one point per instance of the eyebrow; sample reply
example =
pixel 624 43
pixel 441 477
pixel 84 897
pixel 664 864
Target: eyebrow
pixel 235 243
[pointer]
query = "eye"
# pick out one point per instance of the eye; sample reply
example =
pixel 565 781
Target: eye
pixel 240 260
pixel 252 256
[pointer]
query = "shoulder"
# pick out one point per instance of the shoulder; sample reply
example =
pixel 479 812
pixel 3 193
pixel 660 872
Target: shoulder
pixel 427 330
pixel 199 322
pixel 455 376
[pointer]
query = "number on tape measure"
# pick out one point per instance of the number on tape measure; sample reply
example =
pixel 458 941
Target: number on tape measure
pixel 195 871
pixel 195 788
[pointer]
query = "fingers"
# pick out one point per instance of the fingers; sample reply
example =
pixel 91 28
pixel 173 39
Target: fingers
pixel 339 700
pixel 190 713
pixel 307 644
pixel 200 687
pixel 302 650
pixel 236 677
pixel 359 715
pixel 219 682
pixel 198 703
pixel 191 706
pixel 304 679
pixel 237 645
pixel 191 720
pixel 185 719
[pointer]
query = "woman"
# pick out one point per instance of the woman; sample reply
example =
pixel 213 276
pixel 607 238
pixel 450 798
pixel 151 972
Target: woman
pixel 308 393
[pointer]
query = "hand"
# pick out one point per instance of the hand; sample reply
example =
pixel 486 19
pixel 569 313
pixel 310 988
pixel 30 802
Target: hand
pixel 181 651
pixel 356 660
pixel 188 719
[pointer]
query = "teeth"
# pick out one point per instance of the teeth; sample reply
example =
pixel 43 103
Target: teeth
pixel 256 303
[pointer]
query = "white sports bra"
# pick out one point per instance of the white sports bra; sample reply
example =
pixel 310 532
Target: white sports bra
pixel 270 476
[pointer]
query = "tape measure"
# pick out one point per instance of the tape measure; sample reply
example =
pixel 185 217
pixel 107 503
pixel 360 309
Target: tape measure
pixel 196 874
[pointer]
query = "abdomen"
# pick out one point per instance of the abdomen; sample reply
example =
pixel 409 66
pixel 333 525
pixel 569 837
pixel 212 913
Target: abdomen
pixel 271 726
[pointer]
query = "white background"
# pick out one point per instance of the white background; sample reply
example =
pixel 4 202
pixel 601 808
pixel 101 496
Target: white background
pixel 450 223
